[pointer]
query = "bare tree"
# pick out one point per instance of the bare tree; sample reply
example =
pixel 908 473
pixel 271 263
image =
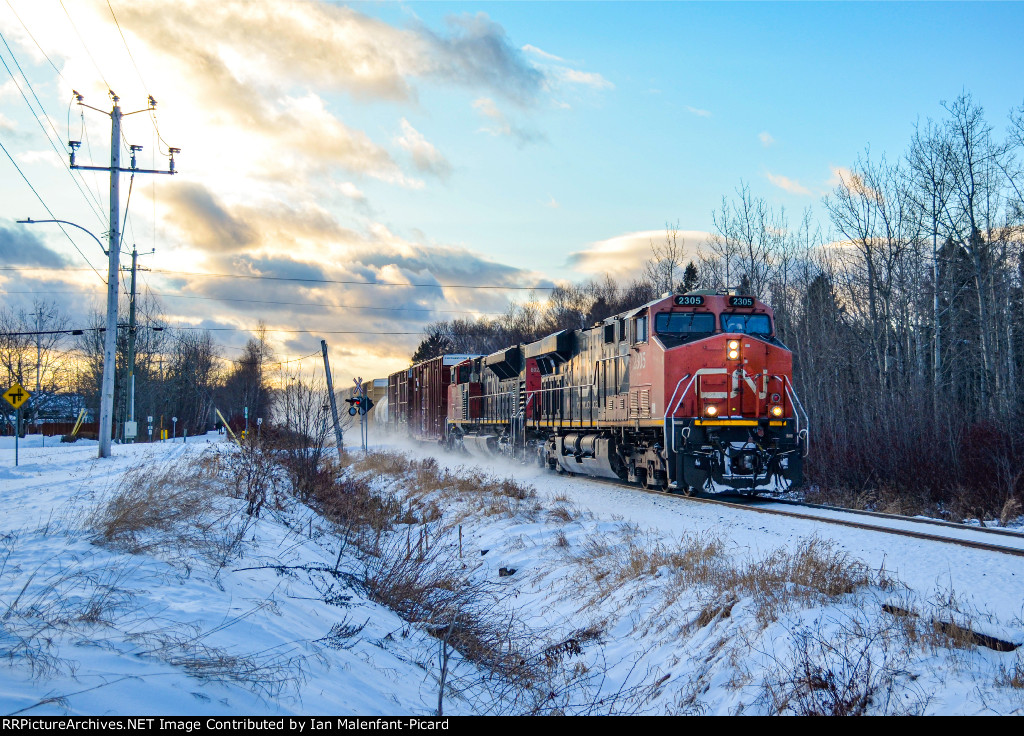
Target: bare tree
pixel 35 358
pixel 743 249
pixel 664 269
pixel 192 378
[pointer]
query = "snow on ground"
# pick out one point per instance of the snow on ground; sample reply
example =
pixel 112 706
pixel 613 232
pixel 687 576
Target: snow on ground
pixel 631 602
pixel 980 590
pixel 994 583
pixel 92 631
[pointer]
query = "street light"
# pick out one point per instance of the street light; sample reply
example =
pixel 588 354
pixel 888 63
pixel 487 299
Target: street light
pixel 30 221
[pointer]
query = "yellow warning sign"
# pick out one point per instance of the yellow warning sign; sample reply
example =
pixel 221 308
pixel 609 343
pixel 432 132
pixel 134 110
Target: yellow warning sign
pixel 16 395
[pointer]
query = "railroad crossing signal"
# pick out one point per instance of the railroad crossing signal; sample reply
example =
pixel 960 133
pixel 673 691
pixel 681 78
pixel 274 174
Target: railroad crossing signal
pixel 359 405
pixel 16 395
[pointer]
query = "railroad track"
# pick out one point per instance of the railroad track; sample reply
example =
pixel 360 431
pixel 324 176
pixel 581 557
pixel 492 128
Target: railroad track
pixel 963 535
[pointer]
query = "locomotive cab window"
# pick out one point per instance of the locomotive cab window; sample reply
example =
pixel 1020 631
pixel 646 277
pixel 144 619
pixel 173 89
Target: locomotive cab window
pixel 684 324
pixel 640 329
pixel 609 333
pixel 748 324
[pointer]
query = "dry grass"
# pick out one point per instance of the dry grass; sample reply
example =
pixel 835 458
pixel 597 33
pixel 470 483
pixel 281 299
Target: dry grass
pixel 266 673
pixel 816 572
pixel 147 502
pixel 255 475
pixel 564 513
pixel 1010 512
pixel 886 499
pixel 173 512
pixel 845 668
pixel 76 599
pixel 1012 677
pixel 476 490
pixel 402 517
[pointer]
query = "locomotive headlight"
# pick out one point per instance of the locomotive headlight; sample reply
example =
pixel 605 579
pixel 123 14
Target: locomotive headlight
pixel 734 355
pixel 776 411
pixel 711 410
pixel 734 344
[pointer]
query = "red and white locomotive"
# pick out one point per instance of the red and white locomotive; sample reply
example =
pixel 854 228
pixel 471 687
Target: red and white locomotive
pixel 688 392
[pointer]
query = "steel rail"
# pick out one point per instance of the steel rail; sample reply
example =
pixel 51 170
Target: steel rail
pixel 897 517
pixel 984 546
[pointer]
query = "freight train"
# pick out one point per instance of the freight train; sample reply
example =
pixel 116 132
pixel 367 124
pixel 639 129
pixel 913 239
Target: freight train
pixel 689 392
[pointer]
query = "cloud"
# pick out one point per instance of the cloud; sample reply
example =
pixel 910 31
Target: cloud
pixel 275 239
pixel 478 52
pixel 330 251
pixel 790 185
pixel 33 157
pixel 552 203
pixel 261 70
pixel 424 155
pixel 6 124
pixel 351 191
pixel 530 49
pixel 205 221
pixel 844 177
pixel 557 70
pixel 624 256
pixel 766 138
pixel 333 46
pixel 18 247
pixel 589 79
pixel 252 91
pixel 698 112
pixel 277 267
pixel 501 126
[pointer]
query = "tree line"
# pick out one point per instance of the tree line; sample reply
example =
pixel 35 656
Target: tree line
pixel 177 372
pixel 904 310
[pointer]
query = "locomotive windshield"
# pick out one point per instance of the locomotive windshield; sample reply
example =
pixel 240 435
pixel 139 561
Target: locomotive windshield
pixel 684 324
pixel 748 324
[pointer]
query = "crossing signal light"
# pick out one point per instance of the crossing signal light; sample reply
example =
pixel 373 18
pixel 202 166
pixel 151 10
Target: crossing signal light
pixel 359 405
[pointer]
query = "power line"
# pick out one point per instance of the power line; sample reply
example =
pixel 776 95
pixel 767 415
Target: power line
pixel 322 305
pixel 316 281
pixel 60 153
pixel 292 332
pixel 145 87
pixel 84 134
pixel 85 354
pixel 35 41
pixel 81 330
pixel 84 46
pixel 52 216
pixel 352 283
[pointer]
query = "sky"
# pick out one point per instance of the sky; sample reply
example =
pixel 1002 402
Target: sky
pixel 449 150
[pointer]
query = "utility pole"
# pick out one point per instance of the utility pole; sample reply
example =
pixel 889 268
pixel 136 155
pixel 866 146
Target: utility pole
pixel 338 436
pixel 39 360
pixel 113 253
pixel 130 382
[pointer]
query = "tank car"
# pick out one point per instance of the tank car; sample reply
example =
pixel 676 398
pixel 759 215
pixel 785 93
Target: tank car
pixel 688 392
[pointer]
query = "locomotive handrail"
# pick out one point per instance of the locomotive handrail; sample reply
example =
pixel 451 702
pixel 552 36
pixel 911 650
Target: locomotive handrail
pixel 670 434
pixel 591 387
pixel 795 401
